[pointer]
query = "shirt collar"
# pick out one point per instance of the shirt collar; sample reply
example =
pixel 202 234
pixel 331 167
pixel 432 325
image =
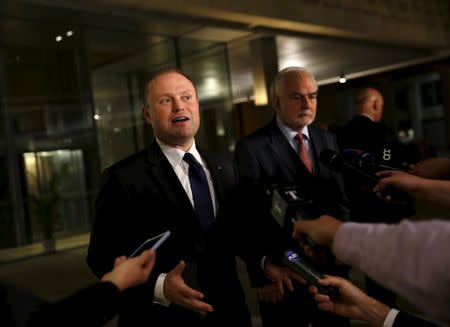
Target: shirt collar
pixel 288 132
pixel 175 155
pixel 368 116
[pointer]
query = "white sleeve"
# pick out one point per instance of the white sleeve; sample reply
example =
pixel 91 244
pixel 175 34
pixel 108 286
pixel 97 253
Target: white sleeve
pixel 409 258
pixel 390 318
pixel 158 292
pixel 263 263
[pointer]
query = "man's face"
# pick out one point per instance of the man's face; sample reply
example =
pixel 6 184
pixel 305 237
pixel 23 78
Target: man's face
pixel 296 102
pixel 172 109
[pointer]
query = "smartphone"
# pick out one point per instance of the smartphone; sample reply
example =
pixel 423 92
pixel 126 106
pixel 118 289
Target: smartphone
pixel 152 244
pixel 308 273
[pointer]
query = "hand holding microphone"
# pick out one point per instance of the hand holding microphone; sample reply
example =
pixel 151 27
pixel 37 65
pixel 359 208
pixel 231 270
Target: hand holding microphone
pixel 362 168
pixel 401 180
pixel 352 302
pixel 424 189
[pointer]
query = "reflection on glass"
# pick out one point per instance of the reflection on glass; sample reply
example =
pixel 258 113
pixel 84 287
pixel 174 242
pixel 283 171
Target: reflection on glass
pixel 205 63
pixel 7 227
pixel 431 93
pixel 84 95
pixel 56 189
pixel 117 88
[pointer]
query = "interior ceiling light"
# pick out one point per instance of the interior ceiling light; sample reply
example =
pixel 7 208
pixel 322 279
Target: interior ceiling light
pixel 69 33
pixel 58 38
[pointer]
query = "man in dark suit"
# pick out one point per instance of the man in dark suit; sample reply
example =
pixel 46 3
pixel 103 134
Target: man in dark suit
pixel 194 281
pixel 366 132
pixel 285 153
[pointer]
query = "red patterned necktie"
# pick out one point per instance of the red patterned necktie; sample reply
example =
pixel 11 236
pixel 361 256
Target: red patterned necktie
pixel 302 153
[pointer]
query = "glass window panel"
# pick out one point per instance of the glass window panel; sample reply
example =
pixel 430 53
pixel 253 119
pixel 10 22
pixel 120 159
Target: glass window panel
pixel 117 88
pixel 208 68
pixel 434 134
pixel 83 95
pixel 56 191
pixel 7 226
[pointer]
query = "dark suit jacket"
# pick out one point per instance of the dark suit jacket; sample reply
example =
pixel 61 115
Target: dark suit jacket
pixel 266 157
pixel 364 134
pixel 91 306
pixel 141 197
pixel 404 319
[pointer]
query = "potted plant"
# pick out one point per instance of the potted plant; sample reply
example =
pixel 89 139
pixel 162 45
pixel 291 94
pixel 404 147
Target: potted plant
pixel 45 206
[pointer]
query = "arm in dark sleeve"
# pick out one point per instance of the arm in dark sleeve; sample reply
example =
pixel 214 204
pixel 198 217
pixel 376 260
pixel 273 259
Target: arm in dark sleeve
pixel 112 206
pixel 108 236
pixel 256 229
pixel 405 319
pixel 92 306
pixel 341 198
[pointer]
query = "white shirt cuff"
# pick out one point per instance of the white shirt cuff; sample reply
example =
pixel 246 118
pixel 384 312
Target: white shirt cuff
pixel 390 318
pixel 158 292
pixel 263 262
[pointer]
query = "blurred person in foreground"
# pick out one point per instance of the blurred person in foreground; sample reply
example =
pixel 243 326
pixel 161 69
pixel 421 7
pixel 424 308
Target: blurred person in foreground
pixel 434 191
pixel 354 303
pixel 409 258
pixel 97 304
pixel 433 168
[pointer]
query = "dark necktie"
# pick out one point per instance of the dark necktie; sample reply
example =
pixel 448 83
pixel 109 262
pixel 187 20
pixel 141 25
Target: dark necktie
pixel 302 153
pixel 200 192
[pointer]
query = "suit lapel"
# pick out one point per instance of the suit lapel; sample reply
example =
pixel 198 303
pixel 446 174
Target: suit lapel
pixel 281 148
pixel 284 151
pixel 161 172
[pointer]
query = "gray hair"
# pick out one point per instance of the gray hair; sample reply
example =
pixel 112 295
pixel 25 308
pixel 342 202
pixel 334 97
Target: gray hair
pixel 276 83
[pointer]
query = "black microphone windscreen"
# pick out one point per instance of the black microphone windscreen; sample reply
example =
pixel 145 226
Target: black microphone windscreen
pixel 328 158
pixel 360 166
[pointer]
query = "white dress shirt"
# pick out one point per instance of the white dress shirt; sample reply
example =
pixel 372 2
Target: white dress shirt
pixel 290 134
pixel 390 318
pixel 181 169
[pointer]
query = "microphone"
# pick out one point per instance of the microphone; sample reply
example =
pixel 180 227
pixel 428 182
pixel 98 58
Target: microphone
pixel 351 161
pixel 339 161
pixel 289 205
pixel 365 160
pixel 301 267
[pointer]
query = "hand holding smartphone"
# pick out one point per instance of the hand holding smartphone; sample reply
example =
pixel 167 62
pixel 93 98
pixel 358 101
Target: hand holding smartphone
pixel 151 243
